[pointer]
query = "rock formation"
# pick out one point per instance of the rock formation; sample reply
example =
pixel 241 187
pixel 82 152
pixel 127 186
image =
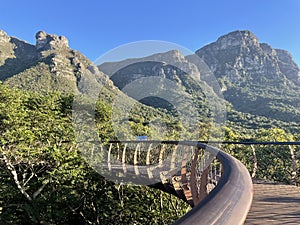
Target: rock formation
pixel 239 57
pixel 46 41
pixel 50 64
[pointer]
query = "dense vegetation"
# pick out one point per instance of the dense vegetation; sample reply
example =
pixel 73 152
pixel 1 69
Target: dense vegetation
pixel 45 180
pixel 277 163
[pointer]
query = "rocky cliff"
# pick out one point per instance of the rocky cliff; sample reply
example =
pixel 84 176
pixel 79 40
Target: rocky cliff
pixel 48 65
pixel 255 77
pixel 239 57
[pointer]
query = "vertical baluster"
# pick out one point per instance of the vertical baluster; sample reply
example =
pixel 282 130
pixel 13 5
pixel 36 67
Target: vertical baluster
pixel 108 157
pixel 118 149
pixel 124 158
pixel 173 158
pixel 203 183
pixel 148 155
pixel 184 181
pixel 135 159
pixel 193 177
pixel 161 156
pixel 294 166
pixel 220 171
pixel 210 172
pixel 216 171
pixel 254 162
pixel 148 162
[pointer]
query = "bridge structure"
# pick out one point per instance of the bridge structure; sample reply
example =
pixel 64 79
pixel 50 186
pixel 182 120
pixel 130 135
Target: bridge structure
pixel 217 186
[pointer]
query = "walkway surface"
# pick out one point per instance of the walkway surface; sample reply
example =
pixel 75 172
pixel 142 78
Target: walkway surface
pixel 275 204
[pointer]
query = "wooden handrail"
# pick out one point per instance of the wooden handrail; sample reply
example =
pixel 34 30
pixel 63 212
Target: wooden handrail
pixel 228 203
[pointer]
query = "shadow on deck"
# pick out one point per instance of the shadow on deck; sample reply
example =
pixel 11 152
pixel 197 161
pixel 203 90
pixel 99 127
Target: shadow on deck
pixel 275 204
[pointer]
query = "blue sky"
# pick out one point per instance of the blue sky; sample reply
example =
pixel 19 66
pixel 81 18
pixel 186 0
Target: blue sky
pixel 95 27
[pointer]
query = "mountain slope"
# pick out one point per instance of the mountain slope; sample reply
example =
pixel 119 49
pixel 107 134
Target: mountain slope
pixel 256 78
pixel 48 65
pixel 51 65
pixel 173 68
pixel 260 84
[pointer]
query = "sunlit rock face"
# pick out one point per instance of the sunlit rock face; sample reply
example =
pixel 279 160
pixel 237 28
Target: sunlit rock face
pixel 239 57
pixel 255 78
pixel 48 65
pixel 46 41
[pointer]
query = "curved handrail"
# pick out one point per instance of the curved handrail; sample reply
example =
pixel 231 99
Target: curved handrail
pixel 230 200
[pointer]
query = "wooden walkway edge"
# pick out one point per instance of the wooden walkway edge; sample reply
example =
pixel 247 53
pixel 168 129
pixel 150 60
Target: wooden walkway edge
pixel 274 204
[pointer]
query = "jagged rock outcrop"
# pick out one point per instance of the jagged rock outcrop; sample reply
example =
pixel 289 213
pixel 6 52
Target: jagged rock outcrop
pixel 46 41
pixel 6 48
pixel 15 55
pixel 287 65
pixel 4 37
pixel 50 64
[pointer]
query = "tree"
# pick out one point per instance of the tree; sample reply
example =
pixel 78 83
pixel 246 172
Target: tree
pixel 275 162
pixel 45 180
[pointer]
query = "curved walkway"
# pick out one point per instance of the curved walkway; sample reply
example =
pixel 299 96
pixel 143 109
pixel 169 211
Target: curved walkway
pixel 274 204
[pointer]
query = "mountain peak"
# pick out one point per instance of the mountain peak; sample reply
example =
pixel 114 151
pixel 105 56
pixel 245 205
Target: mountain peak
pixel 237 38
pixel 239 57
pixel 4 37
pixel 46 41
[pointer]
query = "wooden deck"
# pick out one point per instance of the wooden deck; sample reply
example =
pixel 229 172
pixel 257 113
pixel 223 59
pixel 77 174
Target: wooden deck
pixel 275 204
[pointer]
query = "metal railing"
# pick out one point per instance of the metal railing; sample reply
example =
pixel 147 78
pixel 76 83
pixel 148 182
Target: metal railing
pixel 215 184
pixel 269 161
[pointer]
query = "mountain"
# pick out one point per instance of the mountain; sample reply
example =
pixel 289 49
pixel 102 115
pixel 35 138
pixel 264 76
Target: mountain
pixel 260 84
pixel 48 65
pixel 177 84
pixel 256 78
pixel 51 65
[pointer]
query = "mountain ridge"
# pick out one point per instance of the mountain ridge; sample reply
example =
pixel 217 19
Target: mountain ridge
pixel 257 81
pixel 49 61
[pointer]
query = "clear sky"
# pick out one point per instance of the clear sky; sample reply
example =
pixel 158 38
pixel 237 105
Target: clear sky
pixel 95 27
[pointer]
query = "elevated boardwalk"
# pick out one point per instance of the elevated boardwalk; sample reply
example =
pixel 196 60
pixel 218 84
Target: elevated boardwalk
pixel 216 185
pixel 274 204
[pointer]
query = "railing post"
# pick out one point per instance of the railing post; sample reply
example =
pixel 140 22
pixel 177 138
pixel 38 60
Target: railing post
pixel 184 181
pixel 198 193
pixel 254 162
pixel 124 158
pixel 108 157
pixel 294 166
pixel 148 158
pixel 135 159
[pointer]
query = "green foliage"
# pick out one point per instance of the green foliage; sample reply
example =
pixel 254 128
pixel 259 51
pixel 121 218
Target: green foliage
pixel 38 78
pixel 45 180
pixel 274 162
